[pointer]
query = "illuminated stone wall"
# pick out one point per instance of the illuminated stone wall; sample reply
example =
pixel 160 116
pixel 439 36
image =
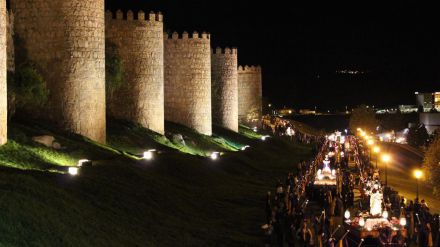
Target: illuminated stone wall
pixel 249 95
pixel 225 88
pixel 139 43
pixel 65 38
pixel 188 81
pixel 3 69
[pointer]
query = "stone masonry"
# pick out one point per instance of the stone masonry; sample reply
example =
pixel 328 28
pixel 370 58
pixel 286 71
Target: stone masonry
pixel 66 41
pixel 188 81
pixel 249 95
pixel 3 69
pixel 225 88
pixel 139 44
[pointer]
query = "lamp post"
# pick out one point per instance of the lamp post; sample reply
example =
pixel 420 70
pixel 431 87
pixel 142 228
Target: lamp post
pixel 386 158
pixel 370 142
pixel 376 150
pixel 418 174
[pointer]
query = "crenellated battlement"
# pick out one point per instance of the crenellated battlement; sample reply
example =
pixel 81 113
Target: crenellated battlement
pixel 185 36
pixel 225 51
pixel 251 68
pixel 130 16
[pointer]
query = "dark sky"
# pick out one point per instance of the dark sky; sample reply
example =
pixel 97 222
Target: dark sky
pixel 301 47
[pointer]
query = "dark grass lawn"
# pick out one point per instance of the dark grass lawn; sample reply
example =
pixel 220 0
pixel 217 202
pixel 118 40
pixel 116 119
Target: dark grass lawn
pixel 177 199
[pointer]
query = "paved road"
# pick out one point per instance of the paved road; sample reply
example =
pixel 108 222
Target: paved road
pixel 400 174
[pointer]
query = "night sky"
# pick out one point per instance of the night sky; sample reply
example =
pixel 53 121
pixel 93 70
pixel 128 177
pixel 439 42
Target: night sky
pixel 300 48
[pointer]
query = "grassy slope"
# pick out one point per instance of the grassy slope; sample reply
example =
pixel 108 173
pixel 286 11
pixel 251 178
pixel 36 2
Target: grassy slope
pixel 175 200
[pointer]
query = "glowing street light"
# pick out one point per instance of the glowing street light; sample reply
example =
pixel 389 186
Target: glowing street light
pixel 263 138
pixel 386 158
pixel 418 174
pixel 376 150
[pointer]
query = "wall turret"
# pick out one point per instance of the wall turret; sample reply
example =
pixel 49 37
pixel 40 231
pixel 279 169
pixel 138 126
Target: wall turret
pixel 3 69
pixel 250 95
pixel 225 88
pixel 65 39
pixel 138 40
pixel 188 81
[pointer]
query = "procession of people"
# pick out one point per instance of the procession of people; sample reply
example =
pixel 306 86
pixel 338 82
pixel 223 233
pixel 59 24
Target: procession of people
pixel 338 199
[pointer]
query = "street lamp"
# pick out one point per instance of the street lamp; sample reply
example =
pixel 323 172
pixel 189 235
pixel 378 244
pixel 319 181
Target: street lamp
pixel 418 174
pixel 386 159
pixel 376 150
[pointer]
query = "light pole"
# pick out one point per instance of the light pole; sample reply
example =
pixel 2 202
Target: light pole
pixel 370 142
pixel 386 158
pixel 376 150
pixel 418 174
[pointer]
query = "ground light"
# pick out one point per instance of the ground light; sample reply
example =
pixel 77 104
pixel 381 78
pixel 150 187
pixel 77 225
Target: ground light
pixel 82 162
pixel 148 155
pixel 245 147
pixel 263 138
pixel 73 171
pixel 214 155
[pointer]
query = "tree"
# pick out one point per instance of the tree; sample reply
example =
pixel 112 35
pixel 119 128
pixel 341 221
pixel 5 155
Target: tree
pixel 364 118
pixel 114 71
pixel 27 89
pixel 417 136
pixel 431 164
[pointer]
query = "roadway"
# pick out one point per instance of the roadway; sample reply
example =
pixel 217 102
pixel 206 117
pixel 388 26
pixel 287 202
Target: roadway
pixel 400 173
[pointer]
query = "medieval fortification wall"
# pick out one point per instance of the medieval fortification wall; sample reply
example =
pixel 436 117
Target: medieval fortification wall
pixel 139 43
pixel 188 81
pixel 65 39
pixel 249 94
pixel 224 71
pixel 3 69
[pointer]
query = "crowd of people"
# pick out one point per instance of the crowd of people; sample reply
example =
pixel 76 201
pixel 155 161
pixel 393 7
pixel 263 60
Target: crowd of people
pixel 423 228
pixel 302 214
pixel 286 129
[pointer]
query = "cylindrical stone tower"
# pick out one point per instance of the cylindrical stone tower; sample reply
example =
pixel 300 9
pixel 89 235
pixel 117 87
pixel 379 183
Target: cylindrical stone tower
pixel 250 95
pixel 225 88
pixel 3 68
pixel 188 81
pixel 66 41
pixel 139 43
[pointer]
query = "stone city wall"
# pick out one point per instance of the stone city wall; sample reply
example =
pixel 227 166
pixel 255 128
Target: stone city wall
pixel 188 81
pixel 139 43
pixel 225 88
pixel 66 41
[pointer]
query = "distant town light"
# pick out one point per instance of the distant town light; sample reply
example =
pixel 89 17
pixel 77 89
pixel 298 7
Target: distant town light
pixel 73 171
